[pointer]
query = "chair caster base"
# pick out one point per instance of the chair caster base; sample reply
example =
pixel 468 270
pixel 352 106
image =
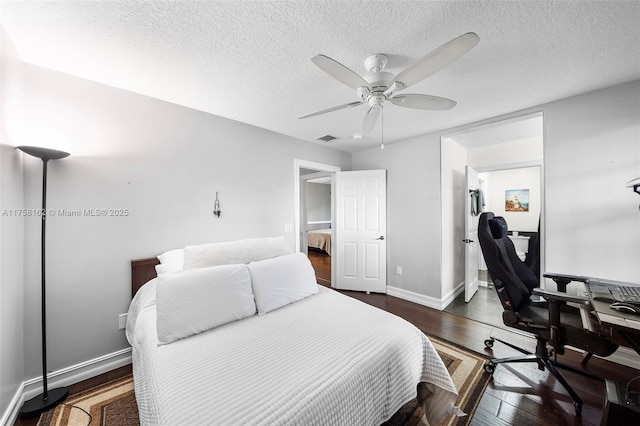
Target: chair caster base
pixel 490 367
pixel 578 408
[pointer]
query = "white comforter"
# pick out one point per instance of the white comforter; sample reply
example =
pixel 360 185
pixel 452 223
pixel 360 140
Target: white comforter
pixel 325 360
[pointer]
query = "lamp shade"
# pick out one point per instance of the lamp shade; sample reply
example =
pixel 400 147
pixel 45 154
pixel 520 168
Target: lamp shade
pixel 43 153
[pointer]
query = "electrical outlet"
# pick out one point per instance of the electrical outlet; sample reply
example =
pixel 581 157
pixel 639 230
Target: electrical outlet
pixel 122 321
pixel 398 270
pixel 288 227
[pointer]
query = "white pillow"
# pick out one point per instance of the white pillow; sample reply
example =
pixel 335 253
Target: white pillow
pixel 241 251
pixel 282 280
pixel 170 261
pixel 190 302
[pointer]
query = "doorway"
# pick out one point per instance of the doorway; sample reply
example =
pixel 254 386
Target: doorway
pixel 316 207
pixel 505 147
pixel 315 212
pixel 358 224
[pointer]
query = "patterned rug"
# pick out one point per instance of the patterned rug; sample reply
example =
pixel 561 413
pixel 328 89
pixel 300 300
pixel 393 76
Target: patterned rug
pixel 114 403
pixel 467 372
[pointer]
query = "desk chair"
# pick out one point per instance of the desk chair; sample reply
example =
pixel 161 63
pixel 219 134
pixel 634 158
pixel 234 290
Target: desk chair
pixel 549 319
pixel 532 259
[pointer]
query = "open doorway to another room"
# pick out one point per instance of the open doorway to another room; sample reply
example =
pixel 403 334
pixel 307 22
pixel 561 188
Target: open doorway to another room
pixel 516 195
pixel 508 156
pixel 318 224
pixel 315 216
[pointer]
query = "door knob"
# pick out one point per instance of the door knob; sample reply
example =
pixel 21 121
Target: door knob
pixel 467 241
pixel 381 237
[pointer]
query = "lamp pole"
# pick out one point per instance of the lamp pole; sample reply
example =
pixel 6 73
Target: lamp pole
pixel 47 399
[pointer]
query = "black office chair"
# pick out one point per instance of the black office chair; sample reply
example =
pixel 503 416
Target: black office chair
pixel 532 259
pixel 550 320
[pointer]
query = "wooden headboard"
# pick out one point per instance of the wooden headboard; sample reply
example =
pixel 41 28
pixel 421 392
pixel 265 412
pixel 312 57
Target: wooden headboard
pixel 142 270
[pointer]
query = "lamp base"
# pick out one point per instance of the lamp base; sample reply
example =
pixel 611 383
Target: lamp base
pixel 38 404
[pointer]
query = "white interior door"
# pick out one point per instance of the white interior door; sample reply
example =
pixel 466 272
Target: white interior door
pixel 472 251
pixel 360 231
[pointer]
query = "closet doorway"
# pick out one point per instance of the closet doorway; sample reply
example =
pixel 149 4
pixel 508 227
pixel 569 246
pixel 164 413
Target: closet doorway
pixel 509 156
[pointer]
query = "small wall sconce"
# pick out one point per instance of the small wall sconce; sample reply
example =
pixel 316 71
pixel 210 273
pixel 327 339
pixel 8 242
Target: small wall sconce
pixel 634 184
pixel 216 206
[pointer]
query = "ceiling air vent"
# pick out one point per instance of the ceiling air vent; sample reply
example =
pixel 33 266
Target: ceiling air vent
pixel 327 138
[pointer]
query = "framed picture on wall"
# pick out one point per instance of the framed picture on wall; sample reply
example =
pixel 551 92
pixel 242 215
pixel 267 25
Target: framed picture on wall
pixel 516 200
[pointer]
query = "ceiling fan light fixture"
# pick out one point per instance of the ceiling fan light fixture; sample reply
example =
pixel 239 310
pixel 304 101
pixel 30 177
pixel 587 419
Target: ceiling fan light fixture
pixel 376 100
pixel 379 86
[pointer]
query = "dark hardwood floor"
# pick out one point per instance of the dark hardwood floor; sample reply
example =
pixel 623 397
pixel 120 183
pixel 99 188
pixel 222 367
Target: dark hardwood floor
pixel 321 262
pixel 518 394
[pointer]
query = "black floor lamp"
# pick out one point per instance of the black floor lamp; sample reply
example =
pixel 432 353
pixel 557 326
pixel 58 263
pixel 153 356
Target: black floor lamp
pixel 48 398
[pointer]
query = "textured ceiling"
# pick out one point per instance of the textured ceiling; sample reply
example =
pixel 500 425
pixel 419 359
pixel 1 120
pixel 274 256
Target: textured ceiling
pixel 250 61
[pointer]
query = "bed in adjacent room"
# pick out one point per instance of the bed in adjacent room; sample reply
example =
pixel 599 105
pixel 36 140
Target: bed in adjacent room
pixel 320 239
pixel 254 340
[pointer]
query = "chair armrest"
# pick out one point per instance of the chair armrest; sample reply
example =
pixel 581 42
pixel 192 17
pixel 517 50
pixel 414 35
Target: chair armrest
pixel 554 276
pixel 554 301
pixel 552 296
pixel 562 280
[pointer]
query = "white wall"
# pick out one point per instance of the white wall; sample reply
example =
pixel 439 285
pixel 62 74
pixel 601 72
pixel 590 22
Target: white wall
pixel 453 184
pixel 499 181
pixel 413 210
pixel 11 227
pixel 162 163
pixel 592 148
pixel 517 151
pixel 318 199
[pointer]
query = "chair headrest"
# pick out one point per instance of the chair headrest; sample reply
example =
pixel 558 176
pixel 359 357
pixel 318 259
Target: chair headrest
pixel 498 227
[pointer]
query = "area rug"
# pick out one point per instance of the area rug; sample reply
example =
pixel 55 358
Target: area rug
pixel 467 372
pixel 114 403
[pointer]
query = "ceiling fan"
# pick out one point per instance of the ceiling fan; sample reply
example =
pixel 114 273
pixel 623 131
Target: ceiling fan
pixel 379 86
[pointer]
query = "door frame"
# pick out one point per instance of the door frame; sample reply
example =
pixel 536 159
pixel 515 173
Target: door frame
pixel 297 200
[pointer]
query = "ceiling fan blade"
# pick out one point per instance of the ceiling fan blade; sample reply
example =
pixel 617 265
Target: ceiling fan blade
pixel 370 119
pixel 338 71
pixel 335 108
pixel 437 59
pixel 423 102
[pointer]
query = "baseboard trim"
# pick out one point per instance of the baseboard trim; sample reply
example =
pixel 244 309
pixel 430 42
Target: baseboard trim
pixel 421 299
pixel 65 377
pixel 451 296
pixel 11 414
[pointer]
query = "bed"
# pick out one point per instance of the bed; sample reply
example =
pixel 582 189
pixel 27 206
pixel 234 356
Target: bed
pixel 322 359
pixel 320 239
